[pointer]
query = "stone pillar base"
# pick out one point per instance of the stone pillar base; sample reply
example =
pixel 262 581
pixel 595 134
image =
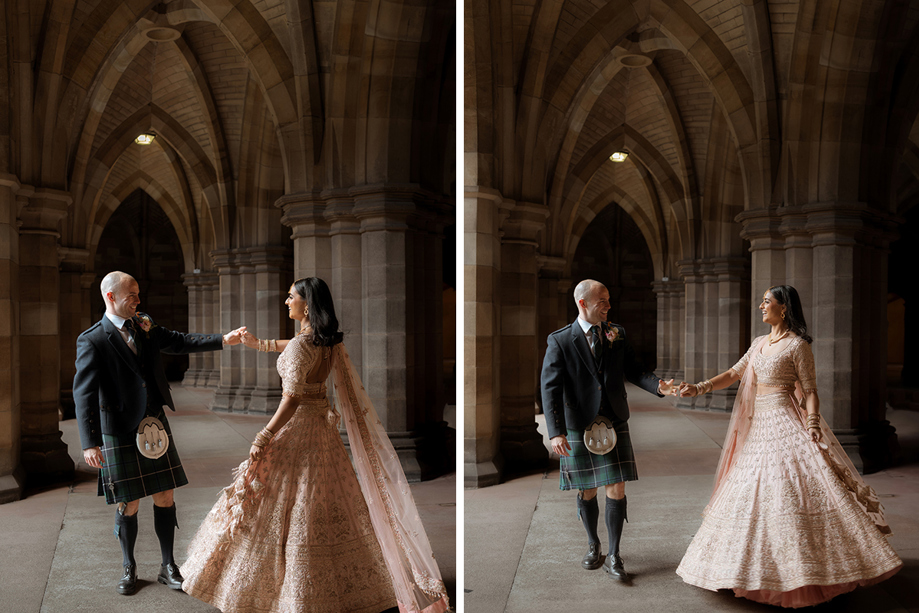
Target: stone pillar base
pixel 265 401
pixel 11 486
pixel 849 440
pixel 230 400
pixel 482 474
pixel 523 448
pixel 45 459
pixel 878 446
pixel 421 452
pixel 722 400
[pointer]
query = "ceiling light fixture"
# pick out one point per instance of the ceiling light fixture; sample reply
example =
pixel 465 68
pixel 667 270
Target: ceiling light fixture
pixel 144 139
pixel 619 156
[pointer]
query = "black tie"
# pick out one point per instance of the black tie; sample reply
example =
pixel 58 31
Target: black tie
pixel 132 333
pixel 595 334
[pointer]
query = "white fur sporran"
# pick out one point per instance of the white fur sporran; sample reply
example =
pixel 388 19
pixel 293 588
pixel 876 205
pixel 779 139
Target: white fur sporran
pixel 152 439
pixel 600 437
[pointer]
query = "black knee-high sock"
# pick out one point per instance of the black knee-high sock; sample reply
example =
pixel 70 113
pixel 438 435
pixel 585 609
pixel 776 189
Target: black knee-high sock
pixel 615 515
pixel 589 512
pixel 126 531
pixel 164 523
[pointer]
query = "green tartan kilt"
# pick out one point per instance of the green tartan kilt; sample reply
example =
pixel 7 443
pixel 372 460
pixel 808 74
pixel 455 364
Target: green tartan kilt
pixel 583 470
pixel 127 475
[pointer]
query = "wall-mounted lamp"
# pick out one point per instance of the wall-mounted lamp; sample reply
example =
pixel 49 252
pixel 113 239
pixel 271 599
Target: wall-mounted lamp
pixel 619 156
pixel 144 139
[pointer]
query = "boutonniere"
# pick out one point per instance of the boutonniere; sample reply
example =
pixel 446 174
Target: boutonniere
pixel 146 324
pixel 612 335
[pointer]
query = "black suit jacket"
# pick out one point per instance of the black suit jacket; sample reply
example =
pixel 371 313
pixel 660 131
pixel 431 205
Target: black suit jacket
pixel 112 385
pixel 574 385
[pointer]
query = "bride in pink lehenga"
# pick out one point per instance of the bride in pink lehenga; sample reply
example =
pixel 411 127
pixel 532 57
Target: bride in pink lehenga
pixel 296 531
pixel 790 521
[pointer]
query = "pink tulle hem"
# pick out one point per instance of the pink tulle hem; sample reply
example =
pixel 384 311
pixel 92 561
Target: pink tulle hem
pixel 438 607
pixel 810 595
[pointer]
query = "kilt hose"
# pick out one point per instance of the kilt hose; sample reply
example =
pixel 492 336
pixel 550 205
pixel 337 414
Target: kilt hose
pixel 127 475
pixel 583 470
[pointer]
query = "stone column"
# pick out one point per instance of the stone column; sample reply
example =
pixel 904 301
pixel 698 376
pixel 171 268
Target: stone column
pixel 75 317
pixel 210 296
pixel 304 213
pixel 394 222
pixel 44 454
pixel 767 267
pixel 482 459
pixel 669 328
pixel 193 285
pixel 12 475
pixel 732 331
pixel 233 389
pixel 799 264
pixel 346 281
pixel 550 308
pixel 272 278
pixel 521 444
pixel 694 329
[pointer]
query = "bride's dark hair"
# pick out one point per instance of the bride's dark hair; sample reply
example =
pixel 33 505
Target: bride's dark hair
pixel 787 296
pixel 321 311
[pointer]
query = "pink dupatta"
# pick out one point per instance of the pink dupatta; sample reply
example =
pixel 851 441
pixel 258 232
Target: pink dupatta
pixel 416 578
pixel 739 427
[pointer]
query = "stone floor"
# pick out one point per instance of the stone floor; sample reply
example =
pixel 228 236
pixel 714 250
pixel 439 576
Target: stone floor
pixel 523 541
pixel 58 554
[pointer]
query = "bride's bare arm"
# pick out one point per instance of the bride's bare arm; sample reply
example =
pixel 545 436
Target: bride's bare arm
pixel 285 411
pixel 719 382
pixel 250 340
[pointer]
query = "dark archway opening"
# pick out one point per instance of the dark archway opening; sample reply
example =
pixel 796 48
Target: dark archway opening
pixel 139 239
pixel 613 251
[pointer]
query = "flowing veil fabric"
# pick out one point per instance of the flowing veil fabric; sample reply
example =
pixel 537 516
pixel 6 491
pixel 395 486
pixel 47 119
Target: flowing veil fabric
pixel 406 549
pixel 829 446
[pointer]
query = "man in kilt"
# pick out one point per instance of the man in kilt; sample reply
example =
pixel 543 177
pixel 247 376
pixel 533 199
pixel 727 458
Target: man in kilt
pixel 119 383
pixel 582 378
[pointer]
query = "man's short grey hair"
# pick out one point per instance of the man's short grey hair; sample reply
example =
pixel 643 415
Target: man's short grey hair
pixel 114 281
pixel 583 289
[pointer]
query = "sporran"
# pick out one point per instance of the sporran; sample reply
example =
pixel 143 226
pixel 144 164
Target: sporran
pixel 152 439
pixel 600 437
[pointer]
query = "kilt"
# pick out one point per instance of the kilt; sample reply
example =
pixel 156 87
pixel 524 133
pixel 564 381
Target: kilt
pixel 127 475
pixel 583 470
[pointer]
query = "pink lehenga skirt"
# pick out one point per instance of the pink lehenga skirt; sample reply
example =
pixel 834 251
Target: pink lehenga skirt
pixel 783 529
pixel 292 532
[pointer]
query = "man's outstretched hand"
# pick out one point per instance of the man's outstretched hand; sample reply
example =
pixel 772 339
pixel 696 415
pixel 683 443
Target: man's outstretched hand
pixel 667 388
pixel 234 337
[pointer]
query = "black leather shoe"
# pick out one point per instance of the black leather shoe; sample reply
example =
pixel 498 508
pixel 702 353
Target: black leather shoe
pixel 614 566
pixel 591 559
pixel 128 582
pixel 170 576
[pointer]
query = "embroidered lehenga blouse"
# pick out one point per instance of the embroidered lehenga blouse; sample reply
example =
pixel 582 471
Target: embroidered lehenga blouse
pixel 293 532
pixel 790 522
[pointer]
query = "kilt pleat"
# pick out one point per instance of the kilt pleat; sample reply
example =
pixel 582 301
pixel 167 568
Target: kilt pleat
pixel 583 470
pixel 128 475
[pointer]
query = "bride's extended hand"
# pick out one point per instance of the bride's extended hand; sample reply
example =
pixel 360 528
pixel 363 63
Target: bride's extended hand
pixel 687 390
pixel 249 340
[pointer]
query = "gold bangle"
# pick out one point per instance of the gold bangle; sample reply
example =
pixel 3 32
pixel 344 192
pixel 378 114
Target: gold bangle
pixel 273 345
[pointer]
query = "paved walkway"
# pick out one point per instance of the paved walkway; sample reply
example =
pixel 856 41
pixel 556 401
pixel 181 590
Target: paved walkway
pixel 524 543
pixel 58 553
